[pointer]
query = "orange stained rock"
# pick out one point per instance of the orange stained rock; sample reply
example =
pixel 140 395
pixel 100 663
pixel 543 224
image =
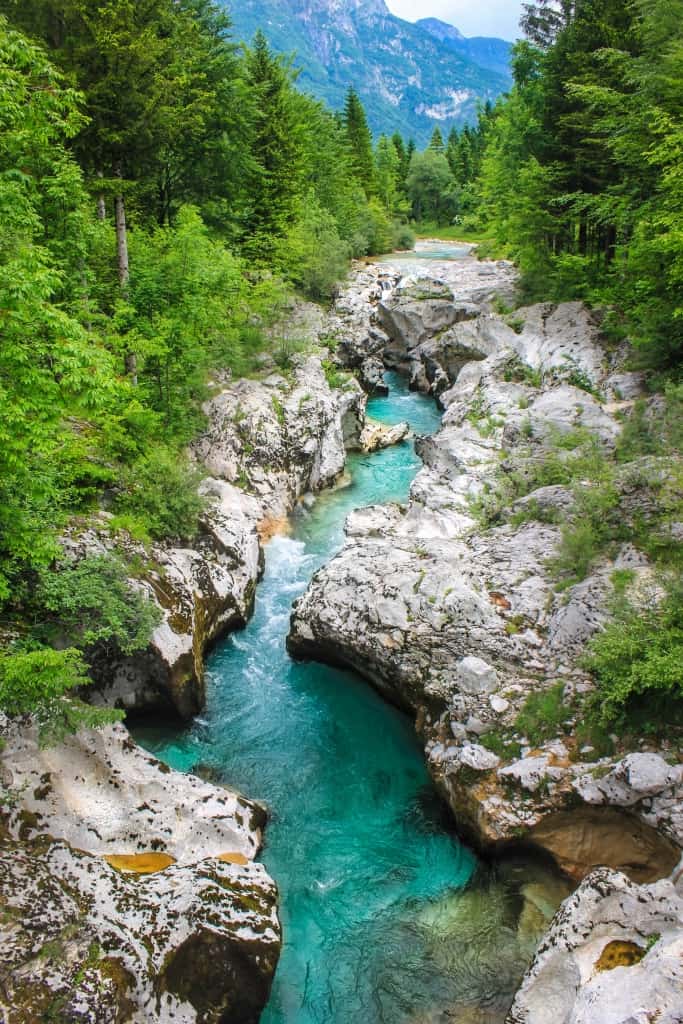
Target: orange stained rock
pixel 140 863
pixel 233 858
pixel 273 527
pixel 619 954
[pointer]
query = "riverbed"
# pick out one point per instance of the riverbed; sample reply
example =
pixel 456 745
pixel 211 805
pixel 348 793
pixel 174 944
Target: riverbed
pixel 387 917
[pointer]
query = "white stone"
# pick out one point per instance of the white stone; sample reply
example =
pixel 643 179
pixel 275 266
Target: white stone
pixel 476 676
pixel 478 757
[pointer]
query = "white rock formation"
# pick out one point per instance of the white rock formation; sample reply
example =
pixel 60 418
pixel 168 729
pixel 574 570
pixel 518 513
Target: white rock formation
pixel 129 891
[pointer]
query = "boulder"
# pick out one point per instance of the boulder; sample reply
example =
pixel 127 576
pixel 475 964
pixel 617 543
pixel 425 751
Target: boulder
pixel 475 676
pixel 377 435
pixel 129 891
pixel 613 955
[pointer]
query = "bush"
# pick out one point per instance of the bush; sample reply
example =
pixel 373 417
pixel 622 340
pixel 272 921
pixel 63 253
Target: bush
pixel 41 683
pixel 312 255
pixel 404 237
pixel 91 602
pixel 160 491
pixel 637 662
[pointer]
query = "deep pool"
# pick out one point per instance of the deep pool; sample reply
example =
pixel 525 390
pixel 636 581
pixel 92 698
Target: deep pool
pixel 377 927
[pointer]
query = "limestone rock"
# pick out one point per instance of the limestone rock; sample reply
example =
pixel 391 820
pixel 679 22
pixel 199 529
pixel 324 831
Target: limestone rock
pixel 183 929
pixel 477 757
pixel 631 780
pixel 371 376
pixel 376 435
pixel 612 955
pixel 475 676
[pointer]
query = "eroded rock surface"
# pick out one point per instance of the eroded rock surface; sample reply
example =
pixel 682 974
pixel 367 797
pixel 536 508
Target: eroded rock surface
pixel 195 940
pixel 613 955
pixel 461 624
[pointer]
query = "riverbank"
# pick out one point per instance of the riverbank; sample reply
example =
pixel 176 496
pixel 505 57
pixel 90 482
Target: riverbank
pixel 460 619
pixel 370 872
pixel 449 619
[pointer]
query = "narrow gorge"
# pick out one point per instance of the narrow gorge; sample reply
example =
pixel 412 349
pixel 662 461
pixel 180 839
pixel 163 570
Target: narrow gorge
pixel 418 870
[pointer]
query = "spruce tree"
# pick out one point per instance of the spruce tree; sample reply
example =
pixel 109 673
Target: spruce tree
pixel 277 148
pixel 436 141
pixel 359 141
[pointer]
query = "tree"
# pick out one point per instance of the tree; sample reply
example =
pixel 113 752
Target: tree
pixel 49 365
pixel 387 174
pixel 436 141
pixel 276 146
pixel 359 141
pixel 430 186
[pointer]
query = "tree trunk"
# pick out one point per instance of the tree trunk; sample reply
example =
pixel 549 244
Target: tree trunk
pixel 131 361
pixel 122 242
pixel 101 205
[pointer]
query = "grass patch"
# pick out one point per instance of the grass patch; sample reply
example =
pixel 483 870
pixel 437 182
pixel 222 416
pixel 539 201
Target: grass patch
pixel 543 715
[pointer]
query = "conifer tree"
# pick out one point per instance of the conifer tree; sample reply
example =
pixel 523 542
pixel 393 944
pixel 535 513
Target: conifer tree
pixel 277 147
pixel 359 141
pixel 436 141
pixel 387 173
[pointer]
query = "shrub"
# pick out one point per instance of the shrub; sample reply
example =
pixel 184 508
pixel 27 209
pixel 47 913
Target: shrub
pixel 312 254
pixel 404 237
pixel 41 682
pixel 160 490
pixel 637 662
pixel 91 602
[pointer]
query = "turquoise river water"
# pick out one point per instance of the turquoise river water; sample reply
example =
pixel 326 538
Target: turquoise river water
pixel 381 917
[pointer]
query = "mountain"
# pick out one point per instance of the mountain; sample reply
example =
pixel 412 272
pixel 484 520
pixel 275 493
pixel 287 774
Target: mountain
pixel 492 54
pixel 410 77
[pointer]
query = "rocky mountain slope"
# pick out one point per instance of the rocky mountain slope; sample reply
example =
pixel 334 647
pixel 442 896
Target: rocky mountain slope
pixel 410 77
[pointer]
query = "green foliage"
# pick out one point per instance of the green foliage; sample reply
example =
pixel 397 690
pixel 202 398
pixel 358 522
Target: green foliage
pixel 41 682
pixel 653 430
pixel 637 662
pixel 313 255
pixel 581 177
pixel 499 743
pixel 431 187
pixel 160 489
pixel 90 603
pixel 543 715
pixel 276 146
pixel 404 237
pixel 359 141
pixel 336 378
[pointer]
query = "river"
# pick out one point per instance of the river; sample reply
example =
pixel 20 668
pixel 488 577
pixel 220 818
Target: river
pixel 382 921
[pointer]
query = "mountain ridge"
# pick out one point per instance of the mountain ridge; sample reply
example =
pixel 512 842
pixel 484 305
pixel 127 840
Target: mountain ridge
pixel 411 77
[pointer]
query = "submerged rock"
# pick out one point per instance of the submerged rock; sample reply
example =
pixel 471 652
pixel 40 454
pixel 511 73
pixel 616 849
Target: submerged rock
pixel 93 932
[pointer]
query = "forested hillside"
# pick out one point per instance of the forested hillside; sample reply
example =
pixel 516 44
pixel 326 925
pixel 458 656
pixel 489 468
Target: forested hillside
pixel 161 195
pixel 165 193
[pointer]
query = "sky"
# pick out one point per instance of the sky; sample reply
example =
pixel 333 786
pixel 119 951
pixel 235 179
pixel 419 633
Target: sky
pixel 473 17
